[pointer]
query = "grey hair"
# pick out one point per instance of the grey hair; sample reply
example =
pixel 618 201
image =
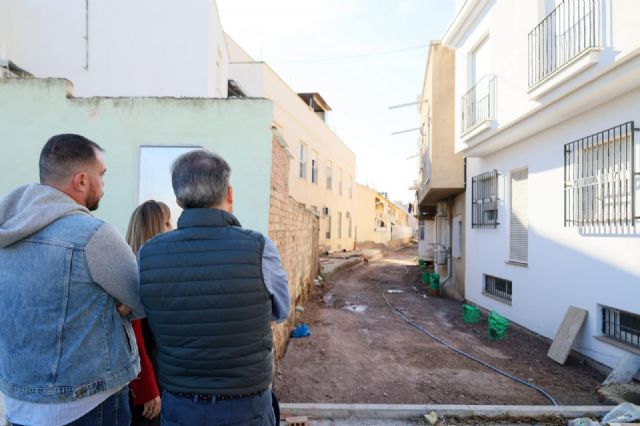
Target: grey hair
pixel 200 179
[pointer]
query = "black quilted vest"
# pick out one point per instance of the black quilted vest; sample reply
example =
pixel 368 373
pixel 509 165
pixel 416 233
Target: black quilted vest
pixel 207 305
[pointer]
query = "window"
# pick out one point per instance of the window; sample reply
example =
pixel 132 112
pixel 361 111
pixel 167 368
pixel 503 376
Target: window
pixel 340 181
pixel 339 225
pixel 329 177
pixel 314 167
pixel 622 326
pixel 303 161
pixel 498 287
pixel 484 200
pixel 328 230
pixel 350 187
pixel 349 224
pixel 421 232
pixel 518 221
pixel 478 103
pixel 601 178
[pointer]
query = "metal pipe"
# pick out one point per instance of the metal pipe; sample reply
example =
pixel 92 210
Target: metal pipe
pixel 449 249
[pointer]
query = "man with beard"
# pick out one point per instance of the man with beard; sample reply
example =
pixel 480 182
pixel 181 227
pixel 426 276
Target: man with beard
pixel 67 280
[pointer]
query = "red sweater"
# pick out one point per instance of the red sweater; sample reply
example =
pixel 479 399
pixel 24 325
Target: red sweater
pixel 143 387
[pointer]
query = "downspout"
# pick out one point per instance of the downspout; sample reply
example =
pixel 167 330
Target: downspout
pixel 449 250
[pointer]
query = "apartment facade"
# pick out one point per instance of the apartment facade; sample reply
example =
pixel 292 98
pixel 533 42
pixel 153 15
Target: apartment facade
pixel 378 220
pixel 440 191
pixel 117 47
pixel 323 167
pixel 547 111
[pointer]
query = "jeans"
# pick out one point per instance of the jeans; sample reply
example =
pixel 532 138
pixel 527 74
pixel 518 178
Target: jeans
pixel 249 411
pixel 114 411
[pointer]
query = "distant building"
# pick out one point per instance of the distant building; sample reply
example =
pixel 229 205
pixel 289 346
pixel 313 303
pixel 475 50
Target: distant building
pixel 378 220
pixel 323 167
pixel 440 190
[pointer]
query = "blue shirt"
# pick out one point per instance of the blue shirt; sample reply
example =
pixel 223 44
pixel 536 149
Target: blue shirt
pixel 275 278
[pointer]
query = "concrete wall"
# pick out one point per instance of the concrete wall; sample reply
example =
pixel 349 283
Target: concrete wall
pixel 32 110
pixel 294 230
pixel 119 48
pixel 459 210
pixel 446 170
pixel 297 124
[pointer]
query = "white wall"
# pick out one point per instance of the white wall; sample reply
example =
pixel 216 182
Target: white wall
pixel 566 266
pixel 141 48
pixel 297 124
pixel 507 24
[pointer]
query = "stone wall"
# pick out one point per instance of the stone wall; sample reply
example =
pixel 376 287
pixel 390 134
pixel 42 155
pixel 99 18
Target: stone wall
pixel 295 232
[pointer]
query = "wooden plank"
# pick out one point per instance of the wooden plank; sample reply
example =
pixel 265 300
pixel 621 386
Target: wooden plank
pixel 569 329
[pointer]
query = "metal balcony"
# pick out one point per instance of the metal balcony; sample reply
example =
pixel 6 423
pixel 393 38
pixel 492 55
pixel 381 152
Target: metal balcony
pixel 478 104
pixel 566 32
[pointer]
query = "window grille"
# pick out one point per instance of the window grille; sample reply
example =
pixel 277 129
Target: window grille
pixel 570 29
pixel 329 178
pixel 519 221
pixel 622 326
pixel 484 200
pixel 600 178
pixel 498 287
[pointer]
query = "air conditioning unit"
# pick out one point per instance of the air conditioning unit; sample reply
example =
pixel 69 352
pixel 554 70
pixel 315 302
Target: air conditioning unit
pixel 441 256
pixel 326 211
pixel 442 210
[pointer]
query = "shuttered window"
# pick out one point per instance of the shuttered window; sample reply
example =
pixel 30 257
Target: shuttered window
pixel 519 222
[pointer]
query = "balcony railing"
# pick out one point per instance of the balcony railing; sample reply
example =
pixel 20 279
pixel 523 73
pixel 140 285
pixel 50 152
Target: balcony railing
pixel 478 104
pixel 570 29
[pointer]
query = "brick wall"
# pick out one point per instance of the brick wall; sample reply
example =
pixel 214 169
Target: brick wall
pixel 295 231
pixel 279 168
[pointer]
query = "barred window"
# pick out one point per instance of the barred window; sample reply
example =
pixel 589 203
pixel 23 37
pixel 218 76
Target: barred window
pixel 484 200
pixel 600 177
pixel 622 326
pixel 498 287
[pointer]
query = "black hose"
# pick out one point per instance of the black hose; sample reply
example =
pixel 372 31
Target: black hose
pixel 458 351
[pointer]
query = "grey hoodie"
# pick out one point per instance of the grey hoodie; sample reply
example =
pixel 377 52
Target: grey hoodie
pixel 111 262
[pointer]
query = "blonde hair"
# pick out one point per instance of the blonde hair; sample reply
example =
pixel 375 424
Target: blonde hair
pixel 147 220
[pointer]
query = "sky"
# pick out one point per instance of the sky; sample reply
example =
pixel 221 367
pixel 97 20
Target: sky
pixel 362 56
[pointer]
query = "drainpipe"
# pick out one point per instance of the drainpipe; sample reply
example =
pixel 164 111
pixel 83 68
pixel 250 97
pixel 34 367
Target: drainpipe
pixel 449 251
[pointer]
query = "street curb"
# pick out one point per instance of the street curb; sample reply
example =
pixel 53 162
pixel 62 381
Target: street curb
pixel 411 411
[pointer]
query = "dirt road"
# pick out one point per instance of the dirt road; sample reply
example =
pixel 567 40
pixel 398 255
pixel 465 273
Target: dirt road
pixel 360 352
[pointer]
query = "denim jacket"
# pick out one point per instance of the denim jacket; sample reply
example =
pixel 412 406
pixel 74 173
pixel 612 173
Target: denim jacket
pixel 61 337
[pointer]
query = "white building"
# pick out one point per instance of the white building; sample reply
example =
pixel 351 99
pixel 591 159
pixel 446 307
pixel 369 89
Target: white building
pixel 323 167
pixel 119 47
pixel 547 113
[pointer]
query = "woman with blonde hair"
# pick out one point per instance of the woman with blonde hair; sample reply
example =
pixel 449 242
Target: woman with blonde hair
pixel 148 220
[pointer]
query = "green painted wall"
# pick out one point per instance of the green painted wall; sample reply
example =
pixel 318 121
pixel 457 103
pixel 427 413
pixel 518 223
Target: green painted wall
pixel 32 110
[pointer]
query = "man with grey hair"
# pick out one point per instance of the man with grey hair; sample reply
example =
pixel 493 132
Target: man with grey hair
pixel 211 290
